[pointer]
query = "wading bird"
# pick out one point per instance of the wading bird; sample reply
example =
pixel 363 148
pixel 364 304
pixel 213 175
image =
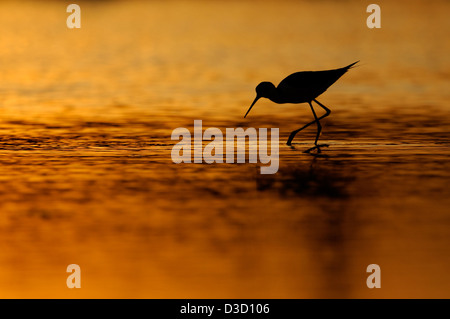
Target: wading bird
pixel 302 87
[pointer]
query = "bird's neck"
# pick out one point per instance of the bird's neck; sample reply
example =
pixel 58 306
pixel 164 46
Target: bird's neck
pixel 274 96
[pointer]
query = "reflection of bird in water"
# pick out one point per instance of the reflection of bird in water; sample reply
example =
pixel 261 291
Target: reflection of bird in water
pixel 301 87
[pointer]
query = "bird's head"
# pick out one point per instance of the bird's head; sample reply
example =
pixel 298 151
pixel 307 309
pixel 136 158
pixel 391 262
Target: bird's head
pixel 264 89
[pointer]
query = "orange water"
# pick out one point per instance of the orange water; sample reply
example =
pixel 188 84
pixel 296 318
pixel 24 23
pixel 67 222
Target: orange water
pixel 86 175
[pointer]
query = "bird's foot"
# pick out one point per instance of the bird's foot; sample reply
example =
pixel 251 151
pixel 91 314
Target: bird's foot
pixel 290 145
pixel 316 147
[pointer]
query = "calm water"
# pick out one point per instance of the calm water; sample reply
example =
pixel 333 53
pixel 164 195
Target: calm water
pixel 86 175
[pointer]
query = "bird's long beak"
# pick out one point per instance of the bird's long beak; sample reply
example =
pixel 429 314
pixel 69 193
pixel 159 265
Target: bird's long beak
pixel 256 99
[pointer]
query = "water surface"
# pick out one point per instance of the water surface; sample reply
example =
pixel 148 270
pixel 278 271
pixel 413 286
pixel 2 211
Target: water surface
pixel 86 175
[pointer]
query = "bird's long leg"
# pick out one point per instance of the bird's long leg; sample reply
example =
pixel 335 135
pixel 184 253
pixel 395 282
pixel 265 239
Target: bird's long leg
pixel 324 107
pixel 319 126
pixel 291 137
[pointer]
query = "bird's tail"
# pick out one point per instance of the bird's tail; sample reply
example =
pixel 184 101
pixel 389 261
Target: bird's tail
pixel 350 65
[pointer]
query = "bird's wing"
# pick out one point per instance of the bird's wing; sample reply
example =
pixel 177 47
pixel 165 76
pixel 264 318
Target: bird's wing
pixel 300 86
pixel 298 79
pixel 314 82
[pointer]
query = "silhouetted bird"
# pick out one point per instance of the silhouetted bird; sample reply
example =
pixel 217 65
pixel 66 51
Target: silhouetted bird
pixel 301 87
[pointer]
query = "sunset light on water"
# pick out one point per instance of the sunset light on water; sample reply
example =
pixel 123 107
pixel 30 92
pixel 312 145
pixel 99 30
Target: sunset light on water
pixel 87 174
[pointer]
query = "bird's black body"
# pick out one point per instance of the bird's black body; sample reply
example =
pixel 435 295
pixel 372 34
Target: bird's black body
pixel 305 86
pixel 301 87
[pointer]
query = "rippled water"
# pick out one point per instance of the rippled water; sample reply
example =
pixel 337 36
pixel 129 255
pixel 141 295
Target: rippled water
pixel 86 175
